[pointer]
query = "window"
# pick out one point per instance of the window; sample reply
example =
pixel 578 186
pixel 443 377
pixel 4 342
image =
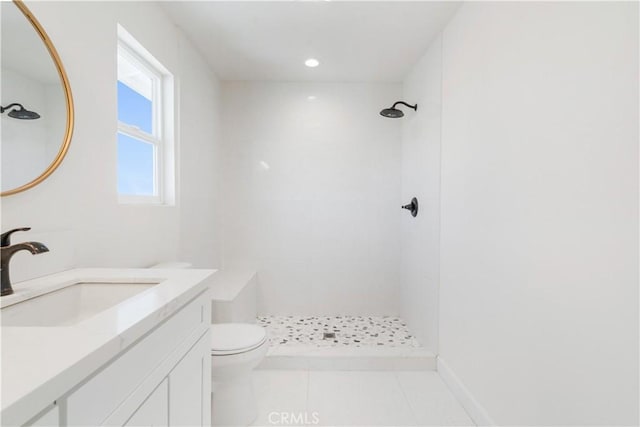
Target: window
pixel 145 126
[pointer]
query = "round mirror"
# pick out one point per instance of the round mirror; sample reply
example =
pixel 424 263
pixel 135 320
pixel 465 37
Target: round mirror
pixel 36 108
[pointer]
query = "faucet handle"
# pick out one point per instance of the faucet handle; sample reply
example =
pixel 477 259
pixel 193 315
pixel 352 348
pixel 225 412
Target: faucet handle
pixel 5 238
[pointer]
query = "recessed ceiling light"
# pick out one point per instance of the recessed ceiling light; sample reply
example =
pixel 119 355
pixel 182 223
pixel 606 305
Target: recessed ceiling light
pixel 311 62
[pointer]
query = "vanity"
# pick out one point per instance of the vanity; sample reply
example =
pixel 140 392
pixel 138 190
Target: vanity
pixel 89 347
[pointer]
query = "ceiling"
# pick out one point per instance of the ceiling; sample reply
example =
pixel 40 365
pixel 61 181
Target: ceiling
pixel 353 40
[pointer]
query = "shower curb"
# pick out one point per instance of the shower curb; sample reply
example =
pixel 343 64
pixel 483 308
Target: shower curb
pixel 418 360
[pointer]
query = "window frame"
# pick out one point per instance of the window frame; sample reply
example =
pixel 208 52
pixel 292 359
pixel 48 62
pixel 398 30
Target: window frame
pixel 162 122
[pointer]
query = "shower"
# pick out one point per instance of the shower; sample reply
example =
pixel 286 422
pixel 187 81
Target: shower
pixel 20 113
pixel 329 291
pixel 394 113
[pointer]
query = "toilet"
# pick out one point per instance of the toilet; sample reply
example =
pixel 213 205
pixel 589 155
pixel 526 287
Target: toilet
pixel 236 349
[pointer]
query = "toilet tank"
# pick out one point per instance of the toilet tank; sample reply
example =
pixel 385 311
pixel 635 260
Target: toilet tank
pixel 234 294
pixel 172 264
pixel 234 297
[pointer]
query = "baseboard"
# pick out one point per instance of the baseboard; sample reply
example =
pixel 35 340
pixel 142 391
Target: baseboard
pixel 475 410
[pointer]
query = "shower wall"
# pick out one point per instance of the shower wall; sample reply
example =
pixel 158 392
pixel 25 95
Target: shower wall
pixel 420 253
pixel 311 191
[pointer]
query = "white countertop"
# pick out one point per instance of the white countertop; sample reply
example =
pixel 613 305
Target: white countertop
pixel 39 364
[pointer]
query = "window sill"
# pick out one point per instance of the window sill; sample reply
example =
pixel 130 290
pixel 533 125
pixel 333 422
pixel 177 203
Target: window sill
pixel 143 201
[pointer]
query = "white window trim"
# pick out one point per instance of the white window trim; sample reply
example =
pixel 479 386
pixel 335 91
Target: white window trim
pixel 163 123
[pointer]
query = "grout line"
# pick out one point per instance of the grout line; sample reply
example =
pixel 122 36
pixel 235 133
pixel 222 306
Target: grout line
pixel 414 415
pixel 307 406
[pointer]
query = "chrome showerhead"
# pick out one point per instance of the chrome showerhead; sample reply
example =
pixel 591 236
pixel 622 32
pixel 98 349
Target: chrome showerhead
pixel 394 113
pixel 20 112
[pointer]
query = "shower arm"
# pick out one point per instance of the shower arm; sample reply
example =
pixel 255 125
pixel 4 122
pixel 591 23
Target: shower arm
pixel 415 107
pixel 15 104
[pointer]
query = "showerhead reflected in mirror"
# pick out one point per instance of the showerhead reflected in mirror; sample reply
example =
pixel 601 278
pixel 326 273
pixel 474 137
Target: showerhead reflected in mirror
pixel 35 106
pixel 17 111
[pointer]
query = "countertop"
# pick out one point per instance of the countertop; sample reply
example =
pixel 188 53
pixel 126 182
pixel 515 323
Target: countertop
pixel 40 364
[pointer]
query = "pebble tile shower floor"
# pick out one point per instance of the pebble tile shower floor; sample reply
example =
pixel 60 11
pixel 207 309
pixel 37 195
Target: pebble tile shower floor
pixel 350 331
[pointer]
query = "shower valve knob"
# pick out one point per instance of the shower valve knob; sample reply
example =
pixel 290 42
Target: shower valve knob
pixel 413 207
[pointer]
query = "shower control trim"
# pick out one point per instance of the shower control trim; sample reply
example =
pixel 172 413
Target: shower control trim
pixel 412 207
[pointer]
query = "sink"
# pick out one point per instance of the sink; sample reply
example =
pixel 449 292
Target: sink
pixel 71 304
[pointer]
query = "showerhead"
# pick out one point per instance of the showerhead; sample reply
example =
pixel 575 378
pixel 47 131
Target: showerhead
pixel 20 112
pixel 394 113
pixel 24 114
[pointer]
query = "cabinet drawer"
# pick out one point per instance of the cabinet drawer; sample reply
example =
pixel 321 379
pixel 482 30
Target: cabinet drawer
pixel 93 401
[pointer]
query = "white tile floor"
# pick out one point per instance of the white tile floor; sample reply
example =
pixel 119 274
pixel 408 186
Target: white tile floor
pixel 355 398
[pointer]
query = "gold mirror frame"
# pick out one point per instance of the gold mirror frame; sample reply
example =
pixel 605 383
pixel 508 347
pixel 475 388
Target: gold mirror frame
pixel 66 141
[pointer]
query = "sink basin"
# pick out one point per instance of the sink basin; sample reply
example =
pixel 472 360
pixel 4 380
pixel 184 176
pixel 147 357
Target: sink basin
pixel 71 304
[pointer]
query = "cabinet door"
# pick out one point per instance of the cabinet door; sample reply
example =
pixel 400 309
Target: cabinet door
pixel 190 387
pixel 154 412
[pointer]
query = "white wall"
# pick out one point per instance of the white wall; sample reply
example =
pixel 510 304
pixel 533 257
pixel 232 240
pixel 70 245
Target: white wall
pixel 312 195
pixel 199 169
pixel 539 235
pixel 75 211
pixel 420 258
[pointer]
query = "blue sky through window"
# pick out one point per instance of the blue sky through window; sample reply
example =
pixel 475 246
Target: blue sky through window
pixel 135 166
pixel 135 157
pixel 134 109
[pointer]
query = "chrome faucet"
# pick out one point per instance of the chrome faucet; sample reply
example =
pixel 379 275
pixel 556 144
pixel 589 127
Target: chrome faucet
pixel 7 250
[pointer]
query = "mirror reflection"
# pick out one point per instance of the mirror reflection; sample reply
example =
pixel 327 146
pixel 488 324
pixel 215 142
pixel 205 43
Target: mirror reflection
pixel 33 104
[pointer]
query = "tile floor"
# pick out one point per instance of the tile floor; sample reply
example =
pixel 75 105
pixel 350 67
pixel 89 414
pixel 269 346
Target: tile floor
pixel 355 398
pixel 349 331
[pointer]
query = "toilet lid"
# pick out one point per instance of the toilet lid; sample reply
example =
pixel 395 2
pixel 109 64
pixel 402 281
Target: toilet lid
pixel 236 337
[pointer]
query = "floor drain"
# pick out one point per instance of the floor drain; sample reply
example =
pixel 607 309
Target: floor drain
pixel 328 335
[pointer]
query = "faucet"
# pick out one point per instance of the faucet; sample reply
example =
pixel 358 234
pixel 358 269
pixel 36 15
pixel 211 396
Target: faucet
pixel 7 250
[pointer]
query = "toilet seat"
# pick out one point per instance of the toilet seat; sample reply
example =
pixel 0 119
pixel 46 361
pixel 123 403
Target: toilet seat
pixel 236 338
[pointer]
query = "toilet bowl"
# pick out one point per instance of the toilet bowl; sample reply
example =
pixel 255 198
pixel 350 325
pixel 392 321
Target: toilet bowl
pixel 236 349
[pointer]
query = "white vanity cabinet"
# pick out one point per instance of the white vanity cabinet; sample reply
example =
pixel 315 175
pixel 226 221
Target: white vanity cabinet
pixel 145 361
pixel 190 392
pixel 163 379
pixel 155 410
pixel 48 418
pixel 182 398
